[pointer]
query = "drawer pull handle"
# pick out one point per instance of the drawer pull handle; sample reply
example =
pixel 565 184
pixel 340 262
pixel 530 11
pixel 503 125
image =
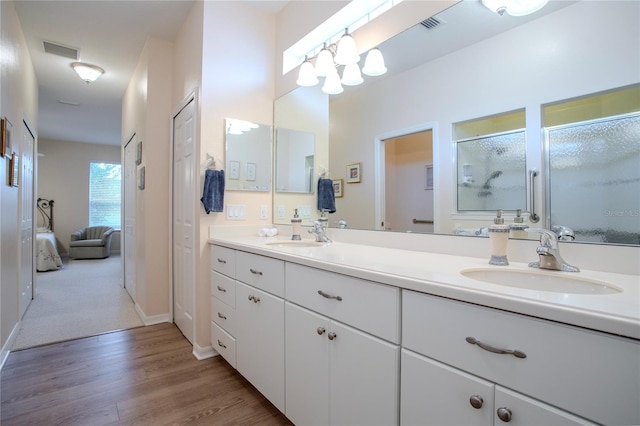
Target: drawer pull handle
pixel 476 401
pixel 514 352
pixel 256 272
pixel 254 299
pixel 221 316
pixel 222 345
pixel 328 296
pixel 320 330
pixel 332 336
pixel 221 260
pixel 224 290
pixel 504 414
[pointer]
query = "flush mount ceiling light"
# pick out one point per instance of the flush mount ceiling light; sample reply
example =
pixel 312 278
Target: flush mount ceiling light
pixel 87 72
pixel 514 7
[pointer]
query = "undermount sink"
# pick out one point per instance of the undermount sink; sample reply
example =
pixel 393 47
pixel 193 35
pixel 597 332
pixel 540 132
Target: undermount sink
pixel 294 243
pixel 557 282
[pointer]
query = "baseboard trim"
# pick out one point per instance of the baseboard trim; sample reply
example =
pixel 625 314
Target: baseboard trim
pixel 153 319
pixel 203 353
pixel 6 348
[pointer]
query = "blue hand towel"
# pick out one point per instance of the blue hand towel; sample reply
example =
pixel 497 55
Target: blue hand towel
pixel 213 193
pixel 326 196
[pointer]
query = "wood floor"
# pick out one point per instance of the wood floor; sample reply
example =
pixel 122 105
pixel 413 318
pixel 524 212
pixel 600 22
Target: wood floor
pixel 142 376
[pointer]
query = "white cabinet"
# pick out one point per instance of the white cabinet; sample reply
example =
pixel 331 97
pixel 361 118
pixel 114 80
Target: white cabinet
pixel 588 374
pixel 260 341
pixel 336 374
pixel 223 302
pixel 437 394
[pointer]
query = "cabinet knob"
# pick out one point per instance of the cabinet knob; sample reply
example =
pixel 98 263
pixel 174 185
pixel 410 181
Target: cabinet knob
pixel 332 336
pixel 504 414
pixel 255 271
pixel 221 316
pixel 254 299
pixel 222 345
pixel 476 401
pixel 320 330
pixel 222 289
pixel 221 260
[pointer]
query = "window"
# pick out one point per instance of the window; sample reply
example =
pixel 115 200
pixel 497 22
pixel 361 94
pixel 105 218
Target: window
pixel 105 198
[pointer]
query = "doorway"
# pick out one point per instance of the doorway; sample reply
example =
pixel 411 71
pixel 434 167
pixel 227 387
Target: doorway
pixel 405 191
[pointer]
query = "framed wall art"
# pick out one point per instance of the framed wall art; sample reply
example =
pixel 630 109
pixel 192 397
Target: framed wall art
pixel 139 154
pixel 14 169
pixel 6 136
pixel 251 171
pixel 234 170
pixel 337 188
pixel 141 178
pixel 353 173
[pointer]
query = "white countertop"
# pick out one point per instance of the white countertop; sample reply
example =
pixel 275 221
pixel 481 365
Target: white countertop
pixel 439 274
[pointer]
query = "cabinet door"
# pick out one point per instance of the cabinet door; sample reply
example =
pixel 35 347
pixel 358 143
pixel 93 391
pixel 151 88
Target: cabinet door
pixel 515 409
pixel 364 378
pixel 307 366
pixel 260 341
pixel 433 393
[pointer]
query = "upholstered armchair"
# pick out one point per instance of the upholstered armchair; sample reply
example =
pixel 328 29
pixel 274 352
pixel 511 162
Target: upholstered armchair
pixel 93 242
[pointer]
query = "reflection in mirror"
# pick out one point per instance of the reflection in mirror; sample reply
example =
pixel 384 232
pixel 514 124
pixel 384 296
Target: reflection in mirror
pixel 477 66
pixel 295 152
pixel 491 172
pixel 248 156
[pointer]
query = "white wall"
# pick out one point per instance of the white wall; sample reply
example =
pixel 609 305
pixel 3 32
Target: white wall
pixel 597 43
pixel 18 102
pixel 63 176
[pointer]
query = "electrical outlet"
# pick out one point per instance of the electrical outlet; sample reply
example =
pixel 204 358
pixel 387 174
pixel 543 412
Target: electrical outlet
pixel 264 213
pixel 281 212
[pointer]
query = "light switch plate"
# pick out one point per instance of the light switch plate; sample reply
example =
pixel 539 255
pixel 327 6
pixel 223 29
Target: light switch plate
pixel 236 212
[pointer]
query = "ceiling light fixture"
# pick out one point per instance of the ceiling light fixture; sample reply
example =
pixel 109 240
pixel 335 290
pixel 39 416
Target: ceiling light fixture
pixel 514 7
pixel 344 53
pixel 89 73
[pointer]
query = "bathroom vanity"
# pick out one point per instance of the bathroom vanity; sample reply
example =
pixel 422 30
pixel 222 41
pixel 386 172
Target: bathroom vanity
pixel 353 334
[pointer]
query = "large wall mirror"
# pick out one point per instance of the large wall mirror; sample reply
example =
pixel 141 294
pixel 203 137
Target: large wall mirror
pixel 474 63
pixel 247 156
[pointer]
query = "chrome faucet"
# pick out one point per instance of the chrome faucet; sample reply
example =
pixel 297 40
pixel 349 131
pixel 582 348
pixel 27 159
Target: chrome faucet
pixel 564 233
pixel 549 252
pixel 319 231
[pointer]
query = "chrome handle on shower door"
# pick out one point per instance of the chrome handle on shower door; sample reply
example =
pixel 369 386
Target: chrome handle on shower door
pixel 533 216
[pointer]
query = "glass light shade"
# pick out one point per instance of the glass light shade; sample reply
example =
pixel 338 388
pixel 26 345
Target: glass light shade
pixel 347 52
pixel 351 75
pixel 514 7
pixel 374 63
pixel 324 63
pixel 307 75
pixel 87 72
pixel 332 84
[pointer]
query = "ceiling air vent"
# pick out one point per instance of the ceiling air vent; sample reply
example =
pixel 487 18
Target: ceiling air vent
pixel 60 50
pixel 431 23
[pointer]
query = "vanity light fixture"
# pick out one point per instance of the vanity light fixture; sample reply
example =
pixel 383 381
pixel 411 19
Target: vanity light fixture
pixel 89 73
pixel 345 53
pixel 514 7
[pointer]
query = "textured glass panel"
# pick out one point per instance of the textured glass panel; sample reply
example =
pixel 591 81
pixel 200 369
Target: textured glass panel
pixel 492 173
pixel 594 174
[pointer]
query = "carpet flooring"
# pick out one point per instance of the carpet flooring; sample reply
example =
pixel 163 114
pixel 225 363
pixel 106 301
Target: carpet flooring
pixel 82 299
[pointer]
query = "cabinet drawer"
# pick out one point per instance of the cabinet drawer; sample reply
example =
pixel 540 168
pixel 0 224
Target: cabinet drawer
pixel 368 306
pixel 261 272
pixel 592 374
pixel 223 260
pixel 223 343
pixel 224 288
pixel 223 315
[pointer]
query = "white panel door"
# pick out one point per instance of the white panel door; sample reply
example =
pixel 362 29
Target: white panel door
pixel 183 229
pixel 26 220
pixel 129 214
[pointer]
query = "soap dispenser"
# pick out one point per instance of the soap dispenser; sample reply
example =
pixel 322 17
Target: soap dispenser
pixel 296 223
pixel 499 237
pixel 518 226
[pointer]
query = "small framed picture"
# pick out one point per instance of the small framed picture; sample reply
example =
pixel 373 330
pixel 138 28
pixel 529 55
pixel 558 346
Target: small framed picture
pixel 353 173
pixel 139 154
pixel 337 188
pixel 234 170
pixel 251 171
pixel 428 176
pixel 14 169
pixel 141 178
pixel 6 136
